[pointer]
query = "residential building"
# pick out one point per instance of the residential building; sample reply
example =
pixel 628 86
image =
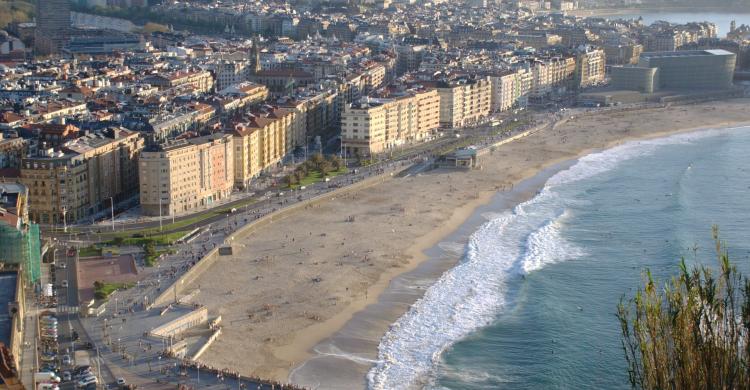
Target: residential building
pixel 372 126
pixel 590 67
pixel 111 158
pixel 186 174
pixel 261 143
pixel 464 101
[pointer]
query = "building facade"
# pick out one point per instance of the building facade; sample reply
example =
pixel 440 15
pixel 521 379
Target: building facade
pixel 464 101
pixel 373 126
pixel 52 26
pixel 186 175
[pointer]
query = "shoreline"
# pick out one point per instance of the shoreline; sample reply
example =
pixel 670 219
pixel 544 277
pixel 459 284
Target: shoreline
pixel 284 358
pixel 462 221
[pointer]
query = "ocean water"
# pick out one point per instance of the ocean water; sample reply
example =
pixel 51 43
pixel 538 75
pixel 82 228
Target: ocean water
pixel 721 19
pixel 532 303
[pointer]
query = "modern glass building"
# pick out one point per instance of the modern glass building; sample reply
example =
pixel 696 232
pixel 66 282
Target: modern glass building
pixel 692 69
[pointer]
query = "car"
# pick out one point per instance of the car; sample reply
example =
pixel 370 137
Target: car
pixel 66 360
pixel 65 284
pixel 87 381
pixel 67 376
pixel 120 381
pixel 63 265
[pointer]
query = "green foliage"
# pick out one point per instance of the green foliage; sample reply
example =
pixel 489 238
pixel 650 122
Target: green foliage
pixel 336 162
pixel 89 251
pixel 15 11
pixel 324 167
pixel 290 180
pixel 103 290
pixel 316 159
pixel 152 254
pixel 691 334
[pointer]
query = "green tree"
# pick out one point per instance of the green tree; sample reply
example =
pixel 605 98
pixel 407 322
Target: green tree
pixel 317 159
pixel 694 333
pixel 298 176
pixel 290 180
pixel 302 168
pixel 336 162
pixel 324 167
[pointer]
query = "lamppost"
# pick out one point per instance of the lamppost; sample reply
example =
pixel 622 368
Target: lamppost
pixel 112 208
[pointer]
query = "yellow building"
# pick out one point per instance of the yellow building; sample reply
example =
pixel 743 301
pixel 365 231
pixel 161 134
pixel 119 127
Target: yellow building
pixel 464 101
pixel 186 175
pixel 373 126
pixel 261 143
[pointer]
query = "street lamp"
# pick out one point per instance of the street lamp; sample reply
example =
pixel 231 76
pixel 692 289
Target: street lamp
pixel 112 208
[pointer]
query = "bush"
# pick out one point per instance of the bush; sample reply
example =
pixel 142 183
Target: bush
pixel 692 334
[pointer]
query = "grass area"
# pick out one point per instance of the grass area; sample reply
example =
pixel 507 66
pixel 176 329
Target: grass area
pixel 133 237
pixel 151 258
pixel 316 176
pixel 158 239
pixel 90 251
pixel 104 290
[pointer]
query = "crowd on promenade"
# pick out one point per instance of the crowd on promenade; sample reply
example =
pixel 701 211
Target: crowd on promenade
pixel 250 383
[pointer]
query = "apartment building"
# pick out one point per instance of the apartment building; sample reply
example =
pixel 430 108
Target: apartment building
pixel 58 186
pixel 231 72
pixel 200 81
pixel 590 67
pixel 261 143
pixel 373 126
pixel 83 176
pixel 464 100
pixel 186 174
pixel 111 159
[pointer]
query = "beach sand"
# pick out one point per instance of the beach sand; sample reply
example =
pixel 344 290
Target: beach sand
pixel 293 284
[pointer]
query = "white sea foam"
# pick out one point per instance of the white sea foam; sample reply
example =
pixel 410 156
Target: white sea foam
pixel 546 246
pixel 470 295
pixel 452 247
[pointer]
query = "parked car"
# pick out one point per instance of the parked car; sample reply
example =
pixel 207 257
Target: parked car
pixel 87 381
pixel 67 376
pixel 66 360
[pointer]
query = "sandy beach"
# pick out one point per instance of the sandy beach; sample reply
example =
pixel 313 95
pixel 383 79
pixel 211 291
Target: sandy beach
pixel 294 283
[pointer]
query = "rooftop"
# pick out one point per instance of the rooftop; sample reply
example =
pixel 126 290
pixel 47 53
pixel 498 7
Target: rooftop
pixel 687 53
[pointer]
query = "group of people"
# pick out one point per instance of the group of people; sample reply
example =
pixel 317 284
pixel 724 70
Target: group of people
pixel 187 364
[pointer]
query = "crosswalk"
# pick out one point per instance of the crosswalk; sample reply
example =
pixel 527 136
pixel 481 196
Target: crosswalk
pixel 67 309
